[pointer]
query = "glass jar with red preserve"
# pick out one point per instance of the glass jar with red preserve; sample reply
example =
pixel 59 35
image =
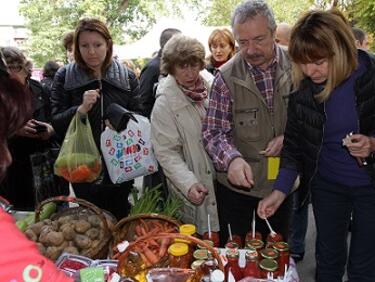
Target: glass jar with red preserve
pixel 272 238
pixel 251 268
pixel 232 265
pixel 270 253
pixel 231 247
pixel 179 255
pixel 236 239
pixel 255 244
pixel 267 267
pixel 283 249
pixel 214 238
pixel 249 236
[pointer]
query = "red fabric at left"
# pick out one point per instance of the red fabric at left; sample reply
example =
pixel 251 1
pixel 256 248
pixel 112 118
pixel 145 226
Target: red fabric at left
pixel 20 259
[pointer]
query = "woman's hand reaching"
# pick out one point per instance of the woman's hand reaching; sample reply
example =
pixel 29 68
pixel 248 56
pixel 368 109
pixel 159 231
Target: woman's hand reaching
pixel 269 205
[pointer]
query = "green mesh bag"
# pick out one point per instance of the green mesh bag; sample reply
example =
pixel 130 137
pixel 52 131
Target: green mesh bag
pixel 79 160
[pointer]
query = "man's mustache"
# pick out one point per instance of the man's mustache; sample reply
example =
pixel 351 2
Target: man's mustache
pixel 255 56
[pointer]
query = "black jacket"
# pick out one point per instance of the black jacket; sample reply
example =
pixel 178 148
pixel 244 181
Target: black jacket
pixel 119 85
pixel 306 117
pixel 18 186
pixel 149 77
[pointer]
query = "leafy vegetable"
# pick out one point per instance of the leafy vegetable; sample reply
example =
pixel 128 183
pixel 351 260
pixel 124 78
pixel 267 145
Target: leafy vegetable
pixel 148 202
pixel 151 201
pixel 172 207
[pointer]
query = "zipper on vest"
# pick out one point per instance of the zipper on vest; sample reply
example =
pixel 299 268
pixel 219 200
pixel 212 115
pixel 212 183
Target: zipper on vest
pixel 273 123
pixel 318 155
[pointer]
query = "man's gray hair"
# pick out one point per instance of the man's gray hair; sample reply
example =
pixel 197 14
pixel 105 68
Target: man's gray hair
pixel 251 8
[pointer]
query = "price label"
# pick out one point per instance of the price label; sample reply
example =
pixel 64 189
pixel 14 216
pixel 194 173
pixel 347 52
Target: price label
pixel 273 167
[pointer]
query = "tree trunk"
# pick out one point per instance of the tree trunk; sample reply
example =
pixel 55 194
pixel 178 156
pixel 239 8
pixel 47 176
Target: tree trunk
pixel 123 6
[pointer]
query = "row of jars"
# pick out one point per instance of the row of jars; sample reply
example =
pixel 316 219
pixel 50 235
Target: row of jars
pixel 183 254
pixel 260 261
pixel 261 258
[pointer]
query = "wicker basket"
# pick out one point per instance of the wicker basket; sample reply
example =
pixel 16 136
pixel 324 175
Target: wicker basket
pixel 124 258
pixel 85 209
pixel 125 229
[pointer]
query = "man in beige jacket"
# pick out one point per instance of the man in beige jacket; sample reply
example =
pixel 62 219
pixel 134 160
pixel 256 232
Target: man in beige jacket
pixel 245 122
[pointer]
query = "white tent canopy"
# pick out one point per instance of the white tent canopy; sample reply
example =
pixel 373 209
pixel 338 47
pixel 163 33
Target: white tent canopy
pixel 149 44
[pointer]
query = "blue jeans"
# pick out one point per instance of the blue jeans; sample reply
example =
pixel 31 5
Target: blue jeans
pixel 298 226
pixel 332 205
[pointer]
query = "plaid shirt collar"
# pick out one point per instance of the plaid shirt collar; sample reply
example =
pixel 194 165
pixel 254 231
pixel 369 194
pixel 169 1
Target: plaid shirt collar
pixel 274 62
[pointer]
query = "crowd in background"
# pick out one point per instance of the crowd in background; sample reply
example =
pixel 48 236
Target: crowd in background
pixel 218 120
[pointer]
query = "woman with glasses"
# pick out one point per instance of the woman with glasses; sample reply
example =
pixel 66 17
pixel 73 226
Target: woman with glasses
pixel 176 123
pixel 34 137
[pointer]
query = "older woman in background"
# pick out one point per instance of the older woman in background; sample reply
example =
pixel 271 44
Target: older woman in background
pixel 176 123
pixel 222 47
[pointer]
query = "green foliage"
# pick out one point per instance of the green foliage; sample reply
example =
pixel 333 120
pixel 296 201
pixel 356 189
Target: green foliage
pixel 363 15
pixel 49 20
pixel 289 11
pixel 285 11
pixel 220 12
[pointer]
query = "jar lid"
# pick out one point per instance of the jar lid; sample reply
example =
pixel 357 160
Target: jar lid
pixel 197 263
pixel 188 229
pixel 256 243
pixel 178 240
pixel 281 246
pixel 200 254
pixel 269 253
pixel 231 245
pixel 232 253
pixel 208 242
pixel 251 254
pixel 217 276
pixel 178 249
pixel 268 265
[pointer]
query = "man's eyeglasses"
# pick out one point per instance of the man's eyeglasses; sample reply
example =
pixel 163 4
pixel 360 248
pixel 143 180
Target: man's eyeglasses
pixel 15 68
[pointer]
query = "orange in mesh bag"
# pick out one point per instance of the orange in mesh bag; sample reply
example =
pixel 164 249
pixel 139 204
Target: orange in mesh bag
pixel 79 160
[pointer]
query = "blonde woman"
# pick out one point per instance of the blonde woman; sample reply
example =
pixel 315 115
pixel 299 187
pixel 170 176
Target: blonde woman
pixel 222 47
pixel 329 140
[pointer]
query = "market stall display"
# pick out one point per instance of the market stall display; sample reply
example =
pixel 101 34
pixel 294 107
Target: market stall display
pixel 150 247
pixel 139 225
pixel 79 230
pixel 163 250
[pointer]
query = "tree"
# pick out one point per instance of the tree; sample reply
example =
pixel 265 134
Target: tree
pixel 363 13
pixel 284 11
pixel 49 20
pixel 360 13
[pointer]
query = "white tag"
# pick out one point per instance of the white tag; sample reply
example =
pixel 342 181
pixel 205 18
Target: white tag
pixel 115 277
pixel 121 247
